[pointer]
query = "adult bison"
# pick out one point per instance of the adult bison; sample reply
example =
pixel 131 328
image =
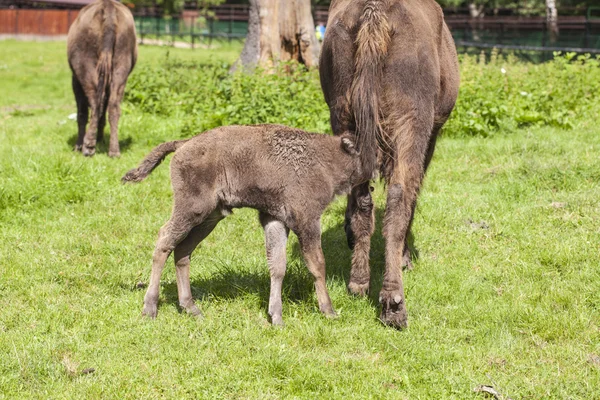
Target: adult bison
pixel 102 50
pixel 389 72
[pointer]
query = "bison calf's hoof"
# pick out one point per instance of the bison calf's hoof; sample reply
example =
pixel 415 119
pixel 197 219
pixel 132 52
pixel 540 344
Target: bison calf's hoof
pixel 88 151
pixel 277 320
pixel 393 309
pixel 150 310
pixel 193 310
pixel 358 289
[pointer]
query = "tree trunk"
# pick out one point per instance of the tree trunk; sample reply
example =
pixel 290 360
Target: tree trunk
pixel 280 30
pixel 552 19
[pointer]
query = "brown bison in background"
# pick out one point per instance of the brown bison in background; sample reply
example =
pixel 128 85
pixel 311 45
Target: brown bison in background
pixel 389 72
pixel 102 51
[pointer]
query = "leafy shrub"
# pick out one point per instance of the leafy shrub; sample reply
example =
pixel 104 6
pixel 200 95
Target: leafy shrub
pixel 496 94
pixel 503 94
pixel 207 95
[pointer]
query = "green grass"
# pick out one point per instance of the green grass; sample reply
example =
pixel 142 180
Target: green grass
pixel 505 291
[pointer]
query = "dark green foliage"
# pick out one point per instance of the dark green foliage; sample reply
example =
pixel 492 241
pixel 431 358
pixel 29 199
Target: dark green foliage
pixel 206 95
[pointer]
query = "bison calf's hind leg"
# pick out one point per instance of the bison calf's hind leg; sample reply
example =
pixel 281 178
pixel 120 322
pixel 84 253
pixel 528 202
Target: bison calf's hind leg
pixel 169 236
pixel 276 234
pixel 183 253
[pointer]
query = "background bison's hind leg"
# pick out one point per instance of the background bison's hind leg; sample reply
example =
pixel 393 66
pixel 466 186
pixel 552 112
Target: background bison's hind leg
pixel 82 112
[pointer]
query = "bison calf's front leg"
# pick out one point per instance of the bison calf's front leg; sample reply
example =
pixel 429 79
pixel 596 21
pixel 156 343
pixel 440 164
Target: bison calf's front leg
pixel 276 234
pixel 310 244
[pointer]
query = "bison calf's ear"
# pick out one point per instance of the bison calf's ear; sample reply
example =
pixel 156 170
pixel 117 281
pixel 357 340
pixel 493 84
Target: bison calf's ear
pixel 349 146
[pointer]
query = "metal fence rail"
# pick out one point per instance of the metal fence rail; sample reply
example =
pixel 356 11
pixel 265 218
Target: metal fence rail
pixel 189 29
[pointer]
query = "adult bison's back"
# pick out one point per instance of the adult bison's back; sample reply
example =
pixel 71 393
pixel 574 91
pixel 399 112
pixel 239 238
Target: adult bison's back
pixel 102 50
pixel 390 75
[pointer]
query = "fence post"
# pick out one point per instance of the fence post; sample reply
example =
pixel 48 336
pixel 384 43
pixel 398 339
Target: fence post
pixel 141 19
pixel 157 28
pixel 211 31
pixel 544 34
pixel 192 31
pixel 230 23
pixel 586 40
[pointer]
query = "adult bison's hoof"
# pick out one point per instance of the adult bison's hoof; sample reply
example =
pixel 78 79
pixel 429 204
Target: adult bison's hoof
pixel 114 154
pixel 88 151
pixel 393 309
pixel 358 289
pixel 77 148
pixel 150 310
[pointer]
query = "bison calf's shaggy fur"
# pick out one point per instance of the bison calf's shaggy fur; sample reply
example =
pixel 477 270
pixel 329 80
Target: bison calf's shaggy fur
pixel 102 51
pixel 288 175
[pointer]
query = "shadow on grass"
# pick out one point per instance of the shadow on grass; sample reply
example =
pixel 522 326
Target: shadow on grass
pixel 229 283
pixel 102 145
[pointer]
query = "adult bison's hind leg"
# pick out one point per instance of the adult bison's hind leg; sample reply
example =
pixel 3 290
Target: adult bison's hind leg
pixel 413 137
pixel 359 225
pixel 337 71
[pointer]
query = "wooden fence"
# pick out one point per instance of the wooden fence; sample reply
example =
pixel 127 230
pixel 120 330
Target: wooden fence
pixel 36 22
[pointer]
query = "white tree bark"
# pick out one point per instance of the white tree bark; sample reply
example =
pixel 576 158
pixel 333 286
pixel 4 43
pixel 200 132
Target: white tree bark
pixel 552 19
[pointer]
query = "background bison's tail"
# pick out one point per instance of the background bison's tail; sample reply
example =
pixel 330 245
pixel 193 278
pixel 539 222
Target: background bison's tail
pixel 372 41
pixel 152 161
pixel 104 67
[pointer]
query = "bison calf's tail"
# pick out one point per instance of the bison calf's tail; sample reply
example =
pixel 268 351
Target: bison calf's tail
pixel 152 161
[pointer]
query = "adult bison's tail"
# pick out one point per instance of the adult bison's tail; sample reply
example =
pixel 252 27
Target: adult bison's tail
pixel 104 67
pixel 152 161
pixel 372 46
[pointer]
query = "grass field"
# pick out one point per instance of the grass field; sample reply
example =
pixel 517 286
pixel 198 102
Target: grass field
pixel 505 290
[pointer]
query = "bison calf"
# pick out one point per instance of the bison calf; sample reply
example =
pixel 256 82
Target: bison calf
pixel 288 175
pixel 102 50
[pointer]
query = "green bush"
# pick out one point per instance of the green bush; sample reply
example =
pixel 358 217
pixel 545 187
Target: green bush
pixel 207 95
pixel 496 95
pixel 504 94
